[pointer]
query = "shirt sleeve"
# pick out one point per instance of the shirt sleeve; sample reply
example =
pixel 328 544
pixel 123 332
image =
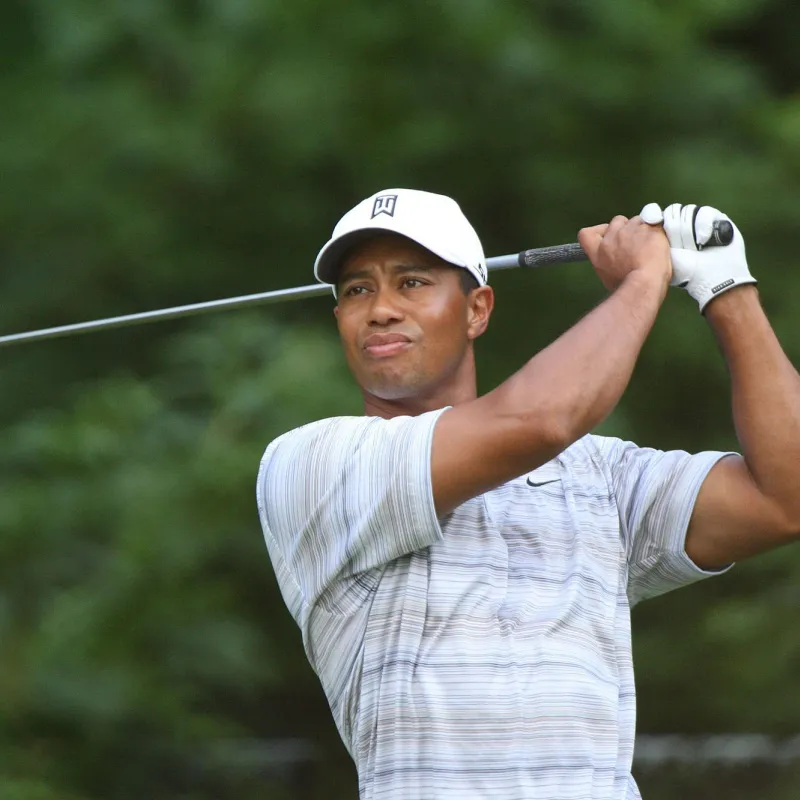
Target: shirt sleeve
pixel 655 492
pixel 344 496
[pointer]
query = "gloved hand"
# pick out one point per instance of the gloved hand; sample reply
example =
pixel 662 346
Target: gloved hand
pixel 705 272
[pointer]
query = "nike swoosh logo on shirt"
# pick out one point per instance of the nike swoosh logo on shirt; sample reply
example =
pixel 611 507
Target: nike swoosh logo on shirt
pixel 542 483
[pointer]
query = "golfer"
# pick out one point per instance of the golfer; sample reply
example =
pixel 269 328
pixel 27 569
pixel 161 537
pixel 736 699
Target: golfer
pixel 462 568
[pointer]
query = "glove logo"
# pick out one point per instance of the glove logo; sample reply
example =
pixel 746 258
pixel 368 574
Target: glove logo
pixel 384 204
pixel 724 285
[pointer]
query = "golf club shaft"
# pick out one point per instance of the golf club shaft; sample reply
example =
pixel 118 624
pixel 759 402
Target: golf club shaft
pixel 538 257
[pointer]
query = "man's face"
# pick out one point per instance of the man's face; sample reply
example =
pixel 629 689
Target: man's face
pixel 404 320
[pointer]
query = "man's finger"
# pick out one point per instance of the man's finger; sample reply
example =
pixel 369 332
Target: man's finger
pixel 590 238
pixel 616 223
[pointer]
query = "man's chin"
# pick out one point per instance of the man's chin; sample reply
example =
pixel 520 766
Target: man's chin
pixel 392 380
pixel 394 390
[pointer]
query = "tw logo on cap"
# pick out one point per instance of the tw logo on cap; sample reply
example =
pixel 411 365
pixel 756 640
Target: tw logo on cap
pixel 384 204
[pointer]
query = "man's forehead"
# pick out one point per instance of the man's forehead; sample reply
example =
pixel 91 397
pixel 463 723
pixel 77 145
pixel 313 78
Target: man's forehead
pixel 389 250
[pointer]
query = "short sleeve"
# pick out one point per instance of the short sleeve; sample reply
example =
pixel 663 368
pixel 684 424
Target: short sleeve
pixel 343 496
pixel 655 492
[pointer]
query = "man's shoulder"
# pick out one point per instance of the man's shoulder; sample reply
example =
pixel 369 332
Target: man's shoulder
pixel 343 430
pixel 342 436
pixel 308 433
pixel 305 440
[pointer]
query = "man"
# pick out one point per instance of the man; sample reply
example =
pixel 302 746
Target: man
pixel 462 568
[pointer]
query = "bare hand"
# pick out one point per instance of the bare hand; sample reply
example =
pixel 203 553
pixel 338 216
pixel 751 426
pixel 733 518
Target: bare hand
pixel 624 246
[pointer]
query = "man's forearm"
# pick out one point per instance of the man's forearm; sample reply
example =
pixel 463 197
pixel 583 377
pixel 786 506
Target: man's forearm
pixel 765 396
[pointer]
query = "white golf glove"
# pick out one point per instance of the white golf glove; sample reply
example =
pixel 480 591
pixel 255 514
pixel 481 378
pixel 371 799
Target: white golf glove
pixel 705 272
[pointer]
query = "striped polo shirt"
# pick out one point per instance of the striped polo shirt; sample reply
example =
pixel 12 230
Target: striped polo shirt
pixel 487 653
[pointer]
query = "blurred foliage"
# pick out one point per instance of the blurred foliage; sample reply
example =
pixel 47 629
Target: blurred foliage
pixel 155 154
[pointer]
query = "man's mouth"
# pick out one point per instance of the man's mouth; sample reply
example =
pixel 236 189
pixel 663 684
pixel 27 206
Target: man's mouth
pixel 381 345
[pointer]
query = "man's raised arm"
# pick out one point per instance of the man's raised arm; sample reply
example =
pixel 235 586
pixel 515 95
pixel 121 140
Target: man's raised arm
pixel 569 387
pixel 751 504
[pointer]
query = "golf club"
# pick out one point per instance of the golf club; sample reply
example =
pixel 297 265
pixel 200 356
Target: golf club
pixel 537 257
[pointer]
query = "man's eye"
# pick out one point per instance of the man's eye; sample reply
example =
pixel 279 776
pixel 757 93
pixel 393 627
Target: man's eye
pixel 354 290
pixel 413 283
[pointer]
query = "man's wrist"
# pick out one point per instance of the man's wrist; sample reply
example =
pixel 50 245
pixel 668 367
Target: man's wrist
pixel 728 306
pixel 649 281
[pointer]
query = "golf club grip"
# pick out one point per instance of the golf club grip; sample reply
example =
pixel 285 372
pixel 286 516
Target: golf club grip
pixel 721 236
pixel 557 254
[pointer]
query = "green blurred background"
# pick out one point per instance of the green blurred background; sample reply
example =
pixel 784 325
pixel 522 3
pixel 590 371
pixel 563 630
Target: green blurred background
pixel 161 153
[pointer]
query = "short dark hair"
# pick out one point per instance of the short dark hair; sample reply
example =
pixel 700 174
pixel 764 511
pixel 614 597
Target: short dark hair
pixel 468 281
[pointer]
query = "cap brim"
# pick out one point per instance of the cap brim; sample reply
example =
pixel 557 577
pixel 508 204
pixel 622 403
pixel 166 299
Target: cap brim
pixel 329 260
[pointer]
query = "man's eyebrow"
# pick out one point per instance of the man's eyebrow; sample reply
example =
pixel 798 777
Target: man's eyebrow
pixel 397 269
pixel 354 276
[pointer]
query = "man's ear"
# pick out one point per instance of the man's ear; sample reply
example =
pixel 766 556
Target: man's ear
pixel 480 305
pixel 336 311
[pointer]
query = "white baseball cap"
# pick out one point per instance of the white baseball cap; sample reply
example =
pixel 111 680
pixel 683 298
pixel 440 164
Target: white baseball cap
pixel 432 220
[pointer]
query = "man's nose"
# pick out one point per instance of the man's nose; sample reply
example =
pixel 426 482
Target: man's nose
pixel 385 308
